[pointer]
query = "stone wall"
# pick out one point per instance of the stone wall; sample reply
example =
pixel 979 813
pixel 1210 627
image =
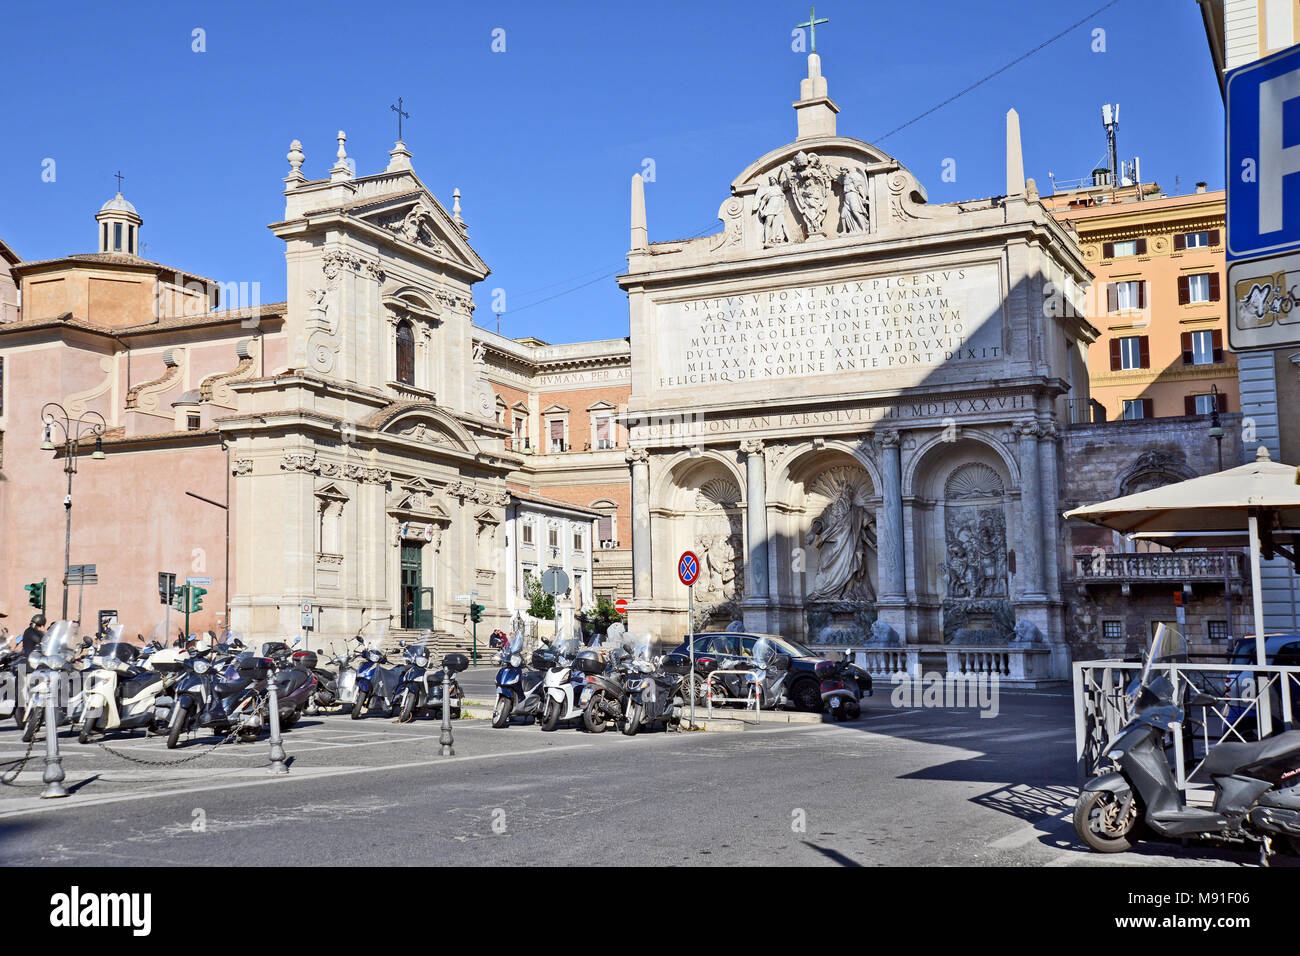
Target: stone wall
pixel 1106 460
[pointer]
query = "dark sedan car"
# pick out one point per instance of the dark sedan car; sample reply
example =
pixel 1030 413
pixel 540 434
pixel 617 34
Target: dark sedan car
pixel 804 687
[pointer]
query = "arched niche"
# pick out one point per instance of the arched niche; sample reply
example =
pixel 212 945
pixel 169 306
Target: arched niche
pixel 963 521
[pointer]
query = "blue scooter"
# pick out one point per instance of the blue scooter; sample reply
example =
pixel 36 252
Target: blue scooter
pixel 521 693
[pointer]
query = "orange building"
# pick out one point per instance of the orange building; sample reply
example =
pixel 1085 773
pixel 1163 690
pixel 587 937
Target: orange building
pixel 1158 299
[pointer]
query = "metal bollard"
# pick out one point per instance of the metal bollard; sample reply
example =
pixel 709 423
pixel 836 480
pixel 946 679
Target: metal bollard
pixel 277 746
pixel 446 749
pixel 53 775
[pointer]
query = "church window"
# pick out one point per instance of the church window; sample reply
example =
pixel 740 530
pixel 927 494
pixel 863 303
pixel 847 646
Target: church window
pixel 192 421
pixel 130 239
pixel 405 353
pixel 117 237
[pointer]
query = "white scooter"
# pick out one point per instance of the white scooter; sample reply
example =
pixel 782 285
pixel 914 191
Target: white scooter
pixel 563 699
pixel 118 692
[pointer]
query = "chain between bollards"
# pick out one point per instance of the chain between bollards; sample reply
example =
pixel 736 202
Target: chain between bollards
pixel 277 746
pixel 444 739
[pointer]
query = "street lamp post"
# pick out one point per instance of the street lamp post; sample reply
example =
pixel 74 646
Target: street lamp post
pixel 74 432
pixel 1216 432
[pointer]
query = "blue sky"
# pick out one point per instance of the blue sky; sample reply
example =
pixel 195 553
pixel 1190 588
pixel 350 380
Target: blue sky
pixel 543 139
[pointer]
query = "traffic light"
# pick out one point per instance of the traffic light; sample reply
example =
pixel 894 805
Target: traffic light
pixel 476 612
pixel 178 598
pixel 36 594
pixel 196 597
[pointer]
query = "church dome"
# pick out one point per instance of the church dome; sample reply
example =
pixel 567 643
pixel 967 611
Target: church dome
pixel 118 204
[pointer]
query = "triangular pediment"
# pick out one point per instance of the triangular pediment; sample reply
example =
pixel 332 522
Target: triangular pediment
pixel 417 222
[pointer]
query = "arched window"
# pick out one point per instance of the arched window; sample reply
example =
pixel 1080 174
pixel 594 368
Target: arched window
pixel 405 353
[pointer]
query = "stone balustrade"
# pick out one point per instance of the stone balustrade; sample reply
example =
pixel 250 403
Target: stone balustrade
pixel 1157 566
pixel 1029 664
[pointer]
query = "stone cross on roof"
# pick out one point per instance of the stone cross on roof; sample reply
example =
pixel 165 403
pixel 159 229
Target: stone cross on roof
pixel 120 177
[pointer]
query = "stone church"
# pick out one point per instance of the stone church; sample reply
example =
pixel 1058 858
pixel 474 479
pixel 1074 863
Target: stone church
pixel 847 403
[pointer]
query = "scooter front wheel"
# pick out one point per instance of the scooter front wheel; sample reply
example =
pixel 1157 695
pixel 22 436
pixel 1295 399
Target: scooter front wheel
pixel 358 706
pixel 408 708
pixel 633 723
pixel 1097 821
pixel 551 715
pixel 87 731
pixel 593 715
pixel 501 712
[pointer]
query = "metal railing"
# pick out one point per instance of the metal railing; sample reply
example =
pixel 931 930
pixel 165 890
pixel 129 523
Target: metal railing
pixel 1102 708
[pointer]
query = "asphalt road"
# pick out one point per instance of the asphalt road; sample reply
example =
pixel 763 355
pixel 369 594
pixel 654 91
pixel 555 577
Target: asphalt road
pixel 899 786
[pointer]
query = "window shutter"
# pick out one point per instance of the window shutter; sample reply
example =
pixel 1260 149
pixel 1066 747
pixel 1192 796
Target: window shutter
pixel 1141 249
pixel 1108 250
pixel 1223 402
pixel 1189 404
pixel 1184 289
pixel 1217 336
pixel 1148 408
pixel 1115 360
pixel 1142 297
pixel 1188 357
pixel 606 531
pixel 1112 297
pixel 1180 241
pixel 1214 237
pixel 557 429
pixel 1144 350
pixel 1214 287
pixel 602 429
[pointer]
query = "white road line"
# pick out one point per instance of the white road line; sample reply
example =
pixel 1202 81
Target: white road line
pixel 72 801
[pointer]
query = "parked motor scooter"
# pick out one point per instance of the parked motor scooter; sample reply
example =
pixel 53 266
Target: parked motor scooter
pixel 46 670
pixel 118 693
pixel 1256 797
pixel 843 685
pixel 563 686
pixel 765 680
pixel 605 699
pixel 294 679
pixel 654 694
pixel 521 692
pixel 369 680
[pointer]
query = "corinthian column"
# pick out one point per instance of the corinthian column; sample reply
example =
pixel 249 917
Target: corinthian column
pixel 639 459
pixel 890 540
pixel 1030 564
pixel 755 517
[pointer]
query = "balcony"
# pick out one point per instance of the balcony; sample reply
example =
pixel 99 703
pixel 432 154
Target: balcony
pixel 1158 567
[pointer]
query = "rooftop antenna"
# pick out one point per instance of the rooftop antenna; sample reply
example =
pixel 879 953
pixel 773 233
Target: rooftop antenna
pixel 1110 120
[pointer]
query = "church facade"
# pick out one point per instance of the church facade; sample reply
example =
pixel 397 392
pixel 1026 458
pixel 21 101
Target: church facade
pixel 848 401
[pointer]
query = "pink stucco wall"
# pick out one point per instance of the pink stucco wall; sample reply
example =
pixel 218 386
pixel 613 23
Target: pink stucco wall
pixel 131 517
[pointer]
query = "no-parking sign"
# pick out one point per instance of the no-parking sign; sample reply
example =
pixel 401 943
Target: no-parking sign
pixel 688 567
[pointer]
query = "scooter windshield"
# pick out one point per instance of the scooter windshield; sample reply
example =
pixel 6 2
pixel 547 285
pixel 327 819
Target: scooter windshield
pixel 516 645
pixel 1168 646
pixel 120 651
pixel 60 639
pixel 567 648
pixel 763 651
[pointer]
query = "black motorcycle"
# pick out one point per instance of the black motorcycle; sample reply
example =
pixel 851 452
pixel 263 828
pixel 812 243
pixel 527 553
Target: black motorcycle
pixel 606 692
pixel 654 693
pixel 1256 795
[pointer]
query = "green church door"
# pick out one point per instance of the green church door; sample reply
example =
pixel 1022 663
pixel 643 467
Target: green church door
pixel 412 581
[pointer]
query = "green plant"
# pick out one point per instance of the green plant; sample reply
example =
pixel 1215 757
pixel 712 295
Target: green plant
pixel 540 604
pixel 596 619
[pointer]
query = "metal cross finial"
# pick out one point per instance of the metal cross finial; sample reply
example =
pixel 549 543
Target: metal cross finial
pixel 812 27
pixel 400 116
pixel 120 177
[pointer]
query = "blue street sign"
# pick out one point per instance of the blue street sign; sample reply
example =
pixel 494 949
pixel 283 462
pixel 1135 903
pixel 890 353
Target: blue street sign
pixel 1263 155
pixel 688 568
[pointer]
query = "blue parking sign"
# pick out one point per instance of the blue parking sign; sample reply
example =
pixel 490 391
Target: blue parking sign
pixel 1263 156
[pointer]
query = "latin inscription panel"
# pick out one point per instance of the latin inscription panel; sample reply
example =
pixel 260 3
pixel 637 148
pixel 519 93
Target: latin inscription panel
pixel 905 325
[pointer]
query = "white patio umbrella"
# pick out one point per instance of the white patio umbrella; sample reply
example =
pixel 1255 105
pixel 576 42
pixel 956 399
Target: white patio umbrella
pixel 1219 510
